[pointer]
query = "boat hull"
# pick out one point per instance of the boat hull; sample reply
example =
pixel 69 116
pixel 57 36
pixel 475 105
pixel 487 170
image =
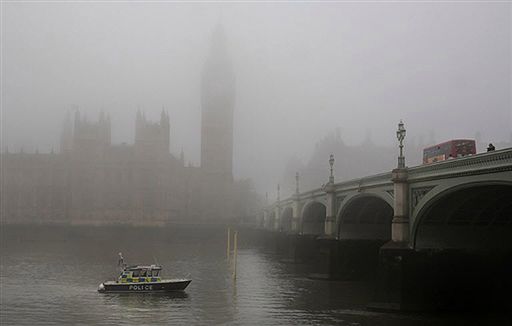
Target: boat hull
pixel 163 286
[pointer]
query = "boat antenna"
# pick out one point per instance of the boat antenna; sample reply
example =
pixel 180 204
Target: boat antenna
pixel 156 261
pixel 120 262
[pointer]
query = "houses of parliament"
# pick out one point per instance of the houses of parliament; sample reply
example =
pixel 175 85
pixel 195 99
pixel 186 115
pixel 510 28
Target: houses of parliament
pixel 92 181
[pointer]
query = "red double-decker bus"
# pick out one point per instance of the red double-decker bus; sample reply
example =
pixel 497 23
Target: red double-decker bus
pixel 450 149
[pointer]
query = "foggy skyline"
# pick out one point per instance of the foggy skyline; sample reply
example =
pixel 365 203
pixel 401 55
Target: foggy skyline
pixel 302 70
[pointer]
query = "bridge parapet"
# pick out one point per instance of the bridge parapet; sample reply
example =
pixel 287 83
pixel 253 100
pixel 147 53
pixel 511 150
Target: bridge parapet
pixel 490 162
pixel 359 184
pixel 372 181
pixel 311 194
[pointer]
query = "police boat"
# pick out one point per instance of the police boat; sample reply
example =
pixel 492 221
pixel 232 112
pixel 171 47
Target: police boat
pixel 142 278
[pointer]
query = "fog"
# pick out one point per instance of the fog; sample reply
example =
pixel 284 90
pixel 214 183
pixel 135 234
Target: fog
pixel 303 70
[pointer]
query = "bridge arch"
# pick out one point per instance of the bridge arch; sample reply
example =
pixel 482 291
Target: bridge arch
pixel 365 216
pixel 285 220
pixel 473 215
pixel 313 218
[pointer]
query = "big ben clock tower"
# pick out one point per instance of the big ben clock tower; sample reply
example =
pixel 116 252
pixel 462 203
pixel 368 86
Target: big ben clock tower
pixel 217 106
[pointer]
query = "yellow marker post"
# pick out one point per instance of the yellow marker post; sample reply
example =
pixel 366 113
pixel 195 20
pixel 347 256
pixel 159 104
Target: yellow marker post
pixel 229 244
pixel 235 253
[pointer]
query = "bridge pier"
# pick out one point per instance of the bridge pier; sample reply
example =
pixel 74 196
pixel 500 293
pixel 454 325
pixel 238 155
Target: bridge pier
pixel 412 280
pixel 305 248
pixel 400 223
pixel 349 260
pixel 330 258
pixel 265 219
pixel 395 256
pixel 277 218
pixel 296 214
pixel 330 211
pixel 295 248
pixel 392 292
pixel 283 243
pixel 357 259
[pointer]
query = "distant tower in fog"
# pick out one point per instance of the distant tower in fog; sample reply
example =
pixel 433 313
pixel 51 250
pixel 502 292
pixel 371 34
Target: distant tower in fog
pixel 217 104
pixel 91 137
pixel 66 136
pixel 152 136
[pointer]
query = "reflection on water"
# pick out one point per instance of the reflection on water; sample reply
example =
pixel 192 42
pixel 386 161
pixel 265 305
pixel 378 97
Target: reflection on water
pixel 50 276
pixel 136 300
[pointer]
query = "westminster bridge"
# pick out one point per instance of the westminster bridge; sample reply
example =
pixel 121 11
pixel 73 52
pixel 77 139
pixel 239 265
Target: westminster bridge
pixel 411 220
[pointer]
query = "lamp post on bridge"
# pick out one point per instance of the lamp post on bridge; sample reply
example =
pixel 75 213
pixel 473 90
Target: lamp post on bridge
pixel 400 135
pixel 330 212
pixel 400 223
pixel 296 206
pixel 296 183
pixel 265 212
pixel 278 209
pixel 331 163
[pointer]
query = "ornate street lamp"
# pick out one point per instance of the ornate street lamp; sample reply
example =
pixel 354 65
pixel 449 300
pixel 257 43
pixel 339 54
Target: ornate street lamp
pixel 400 135
pixel 331 163
pixel 297 183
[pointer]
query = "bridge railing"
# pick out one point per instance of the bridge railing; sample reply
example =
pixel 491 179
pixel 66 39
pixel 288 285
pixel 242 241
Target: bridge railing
pixel 364 182
pixel 500 160
pixel 354 184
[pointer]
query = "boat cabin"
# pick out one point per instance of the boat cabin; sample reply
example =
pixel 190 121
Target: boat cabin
pixel 140 273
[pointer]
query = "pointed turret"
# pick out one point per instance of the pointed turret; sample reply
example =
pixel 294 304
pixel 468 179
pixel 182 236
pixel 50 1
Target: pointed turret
pixel 152 138
pixel 164 118
pixel 66 136
pixel 166 130
pixel 138 123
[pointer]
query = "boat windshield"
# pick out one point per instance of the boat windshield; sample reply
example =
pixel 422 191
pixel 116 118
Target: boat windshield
pixel 143 271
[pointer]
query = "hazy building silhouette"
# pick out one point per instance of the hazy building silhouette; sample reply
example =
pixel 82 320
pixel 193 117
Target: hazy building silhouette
pixel 92 181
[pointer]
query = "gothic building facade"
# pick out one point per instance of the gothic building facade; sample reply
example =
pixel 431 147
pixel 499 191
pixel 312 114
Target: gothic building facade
pixel 92 181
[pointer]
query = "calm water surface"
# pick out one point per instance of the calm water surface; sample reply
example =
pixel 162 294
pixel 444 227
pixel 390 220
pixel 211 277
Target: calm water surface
pixel 50 276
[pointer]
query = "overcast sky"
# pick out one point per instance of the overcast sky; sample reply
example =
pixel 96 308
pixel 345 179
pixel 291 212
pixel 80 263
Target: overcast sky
pixel 302 70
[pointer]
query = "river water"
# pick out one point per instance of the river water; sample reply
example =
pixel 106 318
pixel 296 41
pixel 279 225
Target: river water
pixel 50 275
